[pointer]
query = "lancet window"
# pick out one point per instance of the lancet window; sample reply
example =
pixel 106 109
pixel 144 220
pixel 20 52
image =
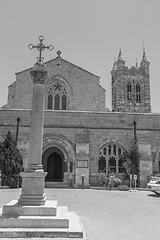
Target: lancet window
pixel 111 158
pixel 57 97
pixel 129 91
pixel 138 93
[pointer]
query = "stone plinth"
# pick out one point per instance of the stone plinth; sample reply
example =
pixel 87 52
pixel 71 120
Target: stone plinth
pixel 33 188
pixel 14 208
pixel 46 221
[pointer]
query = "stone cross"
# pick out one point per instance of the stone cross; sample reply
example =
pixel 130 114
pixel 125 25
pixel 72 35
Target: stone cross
pixel 40 47
pixel 58 64
pixel 34 175
pixel 59 53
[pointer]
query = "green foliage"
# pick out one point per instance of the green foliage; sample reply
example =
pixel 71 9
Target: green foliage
pixel 110 180
pixel 131 161
pixel 10 162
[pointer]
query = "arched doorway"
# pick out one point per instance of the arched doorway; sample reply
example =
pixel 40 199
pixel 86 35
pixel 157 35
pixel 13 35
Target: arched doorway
pixel 54 167
pixel 53 164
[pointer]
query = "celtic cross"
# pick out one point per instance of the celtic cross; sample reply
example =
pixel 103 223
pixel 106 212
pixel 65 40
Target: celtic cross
pixel 40 47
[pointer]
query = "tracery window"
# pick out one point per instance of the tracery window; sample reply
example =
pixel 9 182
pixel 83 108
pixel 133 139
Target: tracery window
pixel 120 166
pixel 109 150
pixel 112 164
pixel 114 149
pixel 64 102
pixel 129 91
pixel 138 93
pixel 57 102
pixel 57 96
pixel 111 158
pixel 102 164
pixel 50 101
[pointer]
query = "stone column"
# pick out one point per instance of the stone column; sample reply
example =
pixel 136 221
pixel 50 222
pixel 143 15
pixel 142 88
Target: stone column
pixel 33 176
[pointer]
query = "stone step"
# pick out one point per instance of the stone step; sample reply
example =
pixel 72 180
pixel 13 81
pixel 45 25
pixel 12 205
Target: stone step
pixel 46 238
pixel 13 208
pixel 60 220
pixel 34 222
pixel 74 230
pixel 40 233
pixel 56 185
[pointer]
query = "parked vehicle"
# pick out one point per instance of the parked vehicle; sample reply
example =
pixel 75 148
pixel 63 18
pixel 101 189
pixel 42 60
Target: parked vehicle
pixel 155 177
pixel 154 186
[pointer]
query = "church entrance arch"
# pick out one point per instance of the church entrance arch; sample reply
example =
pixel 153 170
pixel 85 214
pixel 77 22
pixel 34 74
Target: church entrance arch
pixel 53 164
pixel 58 158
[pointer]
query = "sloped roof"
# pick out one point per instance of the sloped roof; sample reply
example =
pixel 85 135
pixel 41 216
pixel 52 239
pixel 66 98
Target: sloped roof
pixel 52 60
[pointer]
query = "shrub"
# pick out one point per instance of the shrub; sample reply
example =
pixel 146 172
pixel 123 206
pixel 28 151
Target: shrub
pixel 10 162
pixel 110 180
pixel 131 161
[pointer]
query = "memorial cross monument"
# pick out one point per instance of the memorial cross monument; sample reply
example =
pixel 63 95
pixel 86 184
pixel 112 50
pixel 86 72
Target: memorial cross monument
pixel 33 177
pixel 31 215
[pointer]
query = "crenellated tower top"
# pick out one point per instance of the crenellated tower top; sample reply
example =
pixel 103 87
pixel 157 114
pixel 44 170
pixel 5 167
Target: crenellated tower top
pixel 131 86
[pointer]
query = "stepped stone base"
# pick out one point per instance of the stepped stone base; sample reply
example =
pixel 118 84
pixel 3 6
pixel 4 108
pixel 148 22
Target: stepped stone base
pixel 14 208
pixel 46 221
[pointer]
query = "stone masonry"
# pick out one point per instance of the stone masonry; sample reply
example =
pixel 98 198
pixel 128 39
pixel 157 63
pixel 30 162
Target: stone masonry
pixel 73 139
pixel 133 98
pixel 85 92
pixel 102 128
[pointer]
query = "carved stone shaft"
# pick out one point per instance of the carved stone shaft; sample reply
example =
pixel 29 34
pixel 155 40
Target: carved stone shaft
pixel 33 177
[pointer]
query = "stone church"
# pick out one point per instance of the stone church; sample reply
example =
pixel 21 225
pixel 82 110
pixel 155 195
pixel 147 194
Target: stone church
pixel 82 137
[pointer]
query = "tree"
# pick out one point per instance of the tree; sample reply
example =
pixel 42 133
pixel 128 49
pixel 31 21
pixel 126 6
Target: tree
pixel 10 162
pixel 132 159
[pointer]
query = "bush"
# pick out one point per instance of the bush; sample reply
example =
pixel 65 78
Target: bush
pixel 10 163
pixel 131 161
pixel 110 180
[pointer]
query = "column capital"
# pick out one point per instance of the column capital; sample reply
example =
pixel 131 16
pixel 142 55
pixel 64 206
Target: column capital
pixel 38 73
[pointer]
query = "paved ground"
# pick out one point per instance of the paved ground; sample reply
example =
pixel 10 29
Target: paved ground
pixel 107 215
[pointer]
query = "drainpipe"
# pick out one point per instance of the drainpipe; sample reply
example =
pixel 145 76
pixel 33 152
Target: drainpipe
pixel 135 133
pixel 18 120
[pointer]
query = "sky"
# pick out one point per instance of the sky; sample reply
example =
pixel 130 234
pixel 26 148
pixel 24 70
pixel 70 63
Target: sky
pixel 89 33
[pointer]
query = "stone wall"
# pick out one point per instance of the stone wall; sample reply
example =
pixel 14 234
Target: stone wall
pixel 101 128
pixel 120 78
pixel 85 92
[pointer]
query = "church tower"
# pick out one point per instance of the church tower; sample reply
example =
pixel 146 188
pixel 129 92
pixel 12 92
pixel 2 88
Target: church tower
pixel 131 86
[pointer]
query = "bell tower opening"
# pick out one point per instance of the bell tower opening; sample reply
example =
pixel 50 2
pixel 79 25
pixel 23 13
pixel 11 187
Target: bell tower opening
pixel 53 164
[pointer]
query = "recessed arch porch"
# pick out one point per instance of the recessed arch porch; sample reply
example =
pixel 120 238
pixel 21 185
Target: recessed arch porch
pixel 58 158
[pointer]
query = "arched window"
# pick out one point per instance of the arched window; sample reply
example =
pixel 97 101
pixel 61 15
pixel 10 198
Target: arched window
pixel 109 150
pixel 111 157
pixel 102 164
pixel 50 102
pixel 138 93
pixel 119 151
pixel 57 97
pixel 57 102
pixel 120 165
pixel 129 91
pixel 112 164
pixel 104 151
pixel 64 102
pixel 114 149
